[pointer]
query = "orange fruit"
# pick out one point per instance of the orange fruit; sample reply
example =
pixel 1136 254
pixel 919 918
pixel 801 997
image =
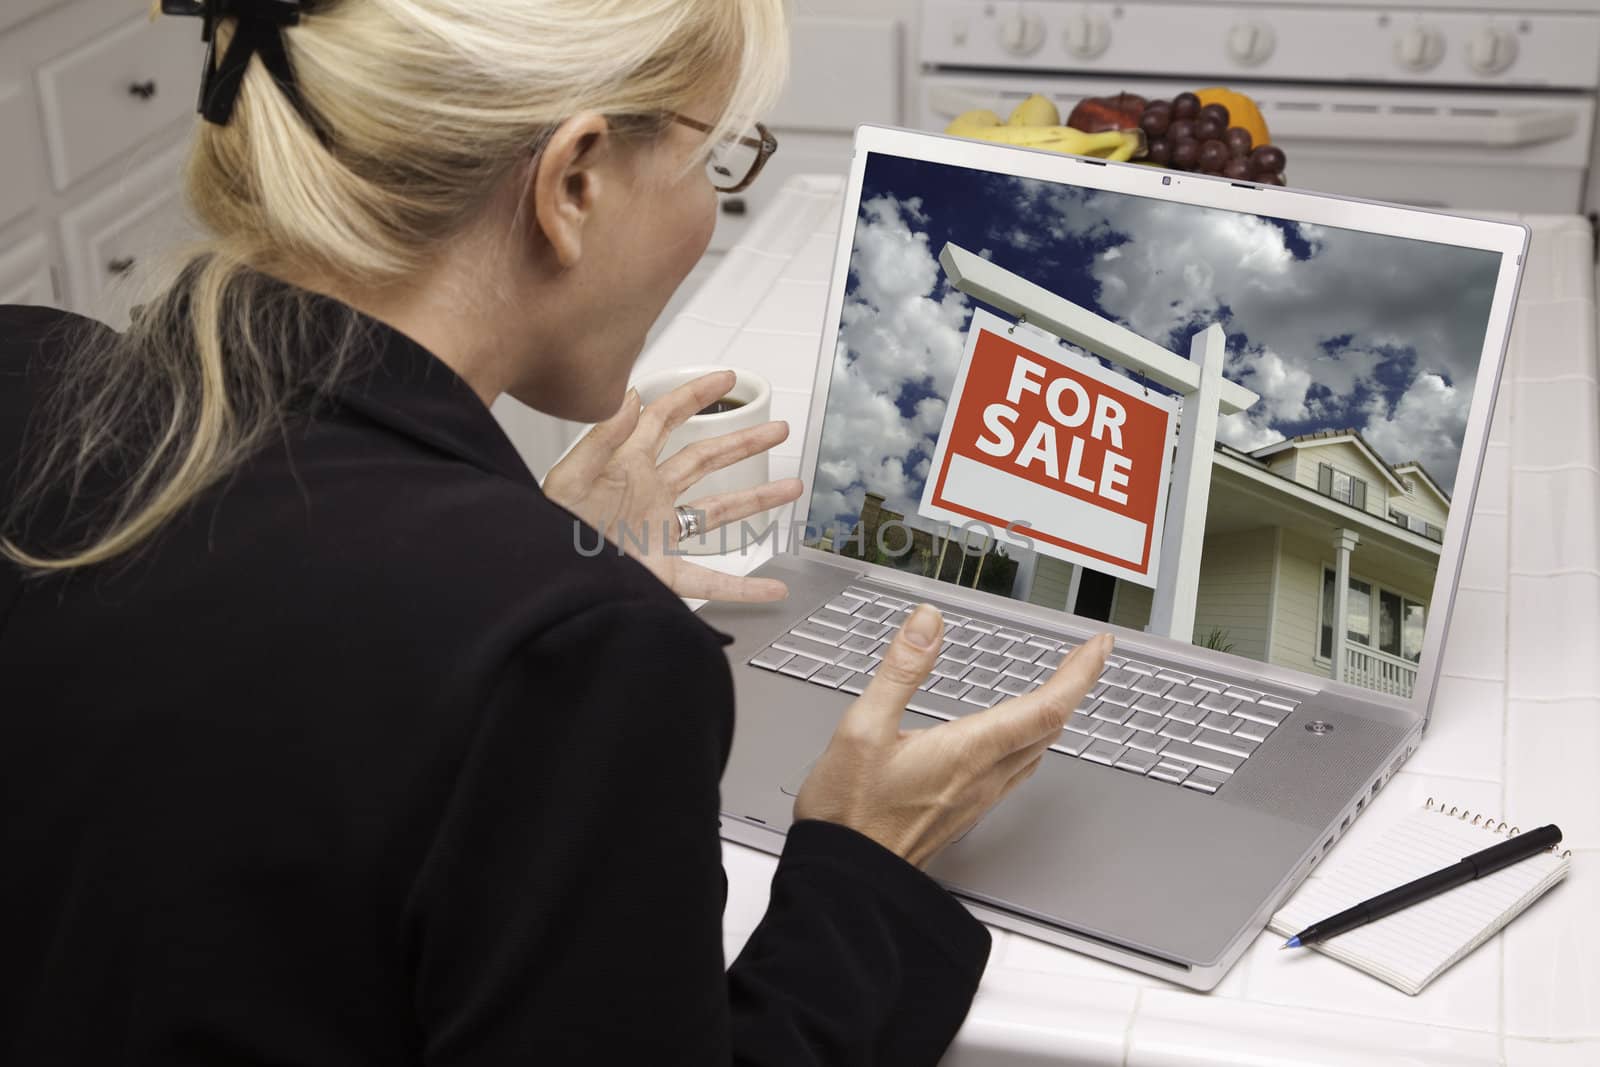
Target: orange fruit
pixel 1242 111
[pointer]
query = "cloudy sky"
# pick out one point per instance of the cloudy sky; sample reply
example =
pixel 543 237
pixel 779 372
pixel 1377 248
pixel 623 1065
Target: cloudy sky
pixel 1333 328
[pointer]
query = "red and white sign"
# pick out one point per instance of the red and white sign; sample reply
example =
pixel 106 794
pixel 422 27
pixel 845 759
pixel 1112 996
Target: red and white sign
pixel 1066 453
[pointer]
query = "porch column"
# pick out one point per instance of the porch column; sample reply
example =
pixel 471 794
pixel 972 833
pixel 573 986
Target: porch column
pixel 1072 587
pixel 1027 564
pixel 1344 543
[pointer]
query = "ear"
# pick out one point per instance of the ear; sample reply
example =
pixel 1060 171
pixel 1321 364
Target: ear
pixel 566 182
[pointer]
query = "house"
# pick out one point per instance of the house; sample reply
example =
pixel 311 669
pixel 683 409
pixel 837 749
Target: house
pixel 1287 526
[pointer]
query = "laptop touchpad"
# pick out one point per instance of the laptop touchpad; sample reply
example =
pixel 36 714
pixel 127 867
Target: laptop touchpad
pixel 791 785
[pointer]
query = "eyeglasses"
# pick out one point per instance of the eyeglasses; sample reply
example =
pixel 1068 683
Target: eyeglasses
pixel 735 162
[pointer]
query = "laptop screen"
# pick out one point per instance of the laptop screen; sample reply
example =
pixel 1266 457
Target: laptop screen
pixel 964 443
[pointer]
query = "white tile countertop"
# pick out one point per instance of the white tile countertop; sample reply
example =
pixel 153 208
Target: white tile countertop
pixel 1516 730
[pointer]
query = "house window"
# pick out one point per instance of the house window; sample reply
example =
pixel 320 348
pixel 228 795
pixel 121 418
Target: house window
pixel 1358 608
pixel 1416 525
pixel 1376 618
pixel 1341 486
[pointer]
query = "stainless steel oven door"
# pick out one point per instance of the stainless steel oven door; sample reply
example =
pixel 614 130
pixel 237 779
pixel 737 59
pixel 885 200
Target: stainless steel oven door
pixel 1468 150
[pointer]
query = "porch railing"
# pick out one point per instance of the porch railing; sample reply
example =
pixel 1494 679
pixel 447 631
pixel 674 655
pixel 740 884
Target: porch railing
pixel 1378 670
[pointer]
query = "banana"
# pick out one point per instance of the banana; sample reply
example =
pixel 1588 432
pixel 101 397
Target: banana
pixel 972 120
pixel 1118 145
pixel 1130 147
pixel 1037 110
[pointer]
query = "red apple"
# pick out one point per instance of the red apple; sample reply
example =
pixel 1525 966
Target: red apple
pixel 1096 113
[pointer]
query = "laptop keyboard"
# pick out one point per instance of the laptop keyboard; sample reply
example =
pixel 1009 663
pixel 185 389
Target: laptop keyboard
pixel 1140 717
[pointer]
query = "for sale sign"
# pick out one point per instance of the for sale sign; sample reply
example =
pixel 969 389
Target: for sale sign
pixel 1043 444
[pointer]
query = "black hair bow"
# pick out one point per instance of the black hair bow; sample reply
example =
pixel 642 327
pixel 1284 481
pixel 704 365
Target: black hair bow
pixel 258 31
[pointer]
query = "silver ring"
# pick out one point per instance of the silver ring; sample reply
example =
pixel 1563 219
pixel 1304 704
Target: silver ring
pixel 689 521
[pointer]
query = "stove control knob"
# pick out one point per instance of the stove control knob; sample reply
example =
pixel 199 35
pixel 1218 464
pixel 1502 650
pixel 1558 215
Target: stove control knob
pixel 1492 49
pixel 1418 48
pixel 1250 44
pixel 1021 34
pixel 1088 34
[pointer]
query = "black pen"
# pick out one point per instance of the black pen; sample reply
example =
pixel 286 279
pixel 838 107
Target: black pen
pixel 1476 865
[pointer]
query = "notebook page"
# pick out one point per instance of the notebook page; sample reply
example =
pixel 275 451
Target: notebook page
pixel 1411 947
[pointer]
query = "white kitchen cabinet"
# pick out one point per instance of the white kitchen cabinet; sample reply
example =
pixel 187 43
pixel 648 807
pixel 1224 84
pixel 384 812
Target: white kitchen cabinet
pixel 120 244
pixel 19 170
pixel 96 108
pixel 844 72
pixel 13 12
pixel 25 276
pixel 112 93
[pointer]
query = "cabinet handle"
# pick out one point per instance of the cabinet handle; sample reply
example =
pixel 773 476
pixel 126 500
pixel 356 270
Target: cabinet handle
pixel 120 265
pixel 143 90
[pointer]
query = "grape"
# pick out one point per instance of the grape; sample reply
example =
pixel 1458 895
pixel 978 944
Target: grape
pixel 1238 139
pixel 1213 154
pixel 1185 154
pixel 1207 128
pixel 1181 130
pixel 1268 159
pixel 1186 105
pixel 1159 150
pixel 1273 178
pixel 1155 123
pixel 1217 112
pixel 1239 170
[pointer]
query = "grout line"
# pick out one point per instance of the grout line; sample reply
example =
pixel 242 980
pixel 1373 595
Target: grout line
pixel 1556 572
pixel 1127 1031
pixel 1500 1001
pixel 1555 468
pixel 1557 379
pixel 1352 1013
pixel 1570 697
pixel 763 332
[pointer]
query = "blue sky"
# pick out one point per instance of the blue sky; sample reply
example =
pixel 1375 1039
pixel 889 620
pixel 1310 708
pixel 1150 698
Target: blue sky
pixel 1333 328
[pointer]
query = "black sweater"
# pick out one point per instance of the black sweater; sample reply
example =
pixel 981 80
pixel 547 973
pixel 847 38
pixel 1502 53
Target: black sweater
pixel 360 762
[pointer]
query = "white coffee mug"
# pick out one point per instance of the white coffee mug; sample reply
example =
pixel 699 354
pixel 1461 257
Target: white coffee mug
pixel 754 397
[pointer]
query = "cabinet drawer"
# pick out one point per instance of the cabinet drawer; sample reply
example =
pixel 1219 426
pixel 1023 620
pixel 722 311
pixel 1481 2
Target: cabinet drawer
pixel 120 244
pixel 19 159
pixel 25 274
pixel 117 91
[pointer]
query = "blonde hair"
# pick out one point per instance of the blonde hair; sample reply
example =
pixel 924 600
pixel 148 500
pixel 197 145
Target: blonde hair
pixel 429 106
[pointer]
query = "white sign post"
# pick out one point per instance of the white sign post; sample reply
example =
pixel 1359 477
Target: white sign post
pixel 1198 380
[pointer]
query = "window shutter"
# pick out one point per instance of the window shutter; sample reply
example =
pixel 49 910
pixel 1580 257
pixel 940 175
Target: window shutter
pixel 1324 479
pixel 1358 493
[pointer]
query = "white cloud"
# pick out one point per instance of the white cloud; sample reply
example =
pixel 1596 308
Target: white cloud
pixel 896 337
pixel 1426 425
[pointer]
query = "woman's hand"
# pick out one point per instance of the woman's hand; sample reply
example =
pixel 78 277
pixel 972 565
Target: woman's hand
pixel 611 479
pixel 915 791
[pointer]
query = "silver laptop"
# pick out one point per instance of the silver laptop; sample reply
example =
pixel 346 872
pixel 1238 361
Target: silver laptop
pixel 1238 426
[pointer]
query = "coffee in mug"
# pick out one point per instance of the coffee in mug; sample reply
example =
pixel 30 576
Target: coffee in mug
pixel 717 407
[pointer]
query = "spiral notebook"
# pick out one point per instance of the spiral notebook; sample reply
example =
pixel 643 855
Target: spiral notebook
pixel 1411 948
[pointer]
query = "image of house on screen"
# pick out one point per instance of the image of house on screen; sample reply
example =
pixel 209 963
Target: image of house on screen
pixel 1313 384
pixel 1284 522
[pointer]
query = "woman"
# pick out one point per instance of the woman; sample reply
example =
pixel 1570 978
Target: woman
pixel 323 744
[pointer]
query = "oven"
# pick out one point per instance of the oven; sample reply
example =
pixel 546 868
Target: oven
pixel 1467 105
